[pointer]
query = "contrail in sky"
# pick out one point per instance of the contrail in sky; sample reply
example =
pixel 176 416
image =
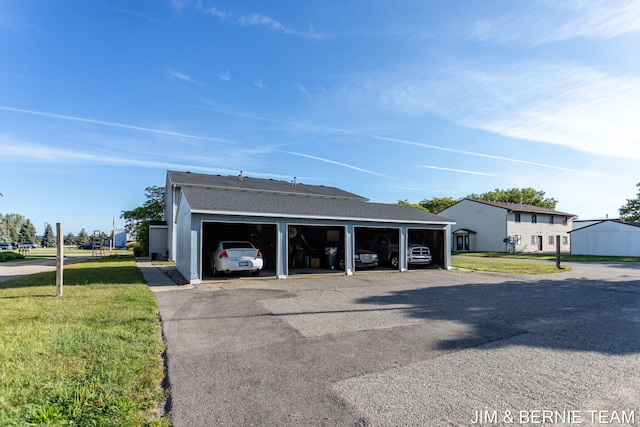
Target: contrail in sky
pixel 337 163
pixel 457 170
pixel 325 128
pixel 111 124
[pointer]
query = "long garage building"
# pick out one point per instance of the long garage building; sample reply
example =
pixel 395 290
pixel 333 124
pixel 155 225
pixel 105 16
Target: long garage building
pixel 296 226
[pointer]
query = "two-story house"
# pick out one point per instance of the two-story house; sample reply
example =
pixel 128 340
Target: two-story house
pixel 508 227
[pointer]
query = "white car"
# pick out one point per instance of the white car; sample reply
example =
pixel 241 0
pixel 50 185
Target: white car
pixel 234 255
pixel 6 246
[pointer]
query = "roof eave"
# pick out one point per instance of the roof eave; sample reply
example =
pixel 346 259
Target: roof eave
pixel 317 217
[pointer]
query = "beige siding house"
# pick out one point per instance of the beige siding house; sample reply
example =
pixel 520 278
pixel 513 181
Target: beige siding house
pixel 507 227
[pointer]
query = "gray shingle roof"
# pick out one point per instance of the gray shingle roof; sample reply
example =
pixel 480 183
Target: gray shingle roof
pixel 232 202
pixel 516 207
pixel 183 179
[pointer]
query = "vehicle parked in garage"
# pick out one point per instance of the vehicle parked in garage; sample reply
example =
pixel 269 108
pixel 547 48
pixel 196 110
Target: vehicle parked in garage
pixel 364 259
pixel 389 252
pixel 236 255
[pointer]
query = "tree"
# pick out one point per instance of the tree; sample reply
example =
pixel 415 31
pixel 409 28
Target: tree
pixel 13 223
pixel 405 202
pixel 82 238
pixel 438 204
pixel 27 232
pixel 48 239
pixel 525 196
pixel 138 219
pixel 631 211
pixel 4 233
pixel 70 239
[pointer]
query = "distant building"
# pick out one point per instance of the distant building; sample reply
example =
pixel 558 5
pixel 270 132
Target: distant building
pixel 609 237
pixel 507 227
pixel 120 238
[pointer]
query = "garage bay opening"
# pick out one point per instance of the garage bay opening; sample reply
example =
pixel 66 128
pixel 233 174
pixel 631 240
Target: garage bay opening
pixel 261 236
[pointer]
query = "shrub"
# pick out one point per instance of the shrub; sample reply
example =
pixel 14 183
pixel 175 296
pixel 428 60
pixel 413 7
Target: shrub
pixel 10 256
pixel 137 250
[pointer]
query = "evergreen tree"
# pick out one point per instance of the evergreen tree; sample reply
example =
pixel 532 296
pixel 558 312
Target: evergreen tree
pixel 70 239
pixel 27 232
pixel 49 239
pixel 82 238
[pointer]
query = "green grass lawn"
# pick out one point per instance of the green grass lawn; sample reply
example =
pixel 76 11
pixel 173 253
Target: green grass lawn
pixel 505 265
pixel 551 257
pixel 92 357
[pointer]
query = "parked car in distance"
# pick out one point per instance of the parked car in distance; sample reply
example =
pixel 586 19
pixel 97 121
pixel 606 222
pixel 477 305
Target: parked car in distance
pixel 387 248
pixel 27 245
pixel 6 246
pixel 236 255
pixel 87 245
pixel 364 259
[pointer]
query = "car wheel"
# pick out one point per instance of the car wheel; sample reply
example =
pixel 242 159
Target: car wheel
pixel 342 264
pixel 394 261
pixel 215 271
pixel 256 273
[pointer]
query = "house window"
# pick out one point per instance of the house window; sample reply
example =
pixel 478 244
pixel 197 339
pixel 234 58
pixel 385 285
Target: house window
pixel 565 240
pixel 518 217
pixel 551 219
pixel 534 240
pixel 534 218
pixel 551 240
pixel 518 239
pixel 565 221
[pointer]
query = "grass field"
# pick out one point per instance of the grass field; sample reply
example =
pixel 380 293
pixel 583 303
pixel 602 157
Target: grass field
pixel 505 266
pixel 551 257
pixel 92 357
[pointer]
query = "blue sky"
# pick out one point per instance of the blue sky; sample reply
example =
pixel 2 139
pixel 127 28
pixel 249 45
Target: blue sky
pixel 390 100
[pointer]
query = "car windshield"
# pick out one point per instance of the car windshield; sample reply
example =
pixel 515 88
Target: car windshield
pixel 237 245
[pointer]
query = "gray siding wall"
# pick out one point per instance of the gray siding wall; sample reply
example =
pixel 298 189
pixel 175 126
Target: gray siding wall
pixel 184 247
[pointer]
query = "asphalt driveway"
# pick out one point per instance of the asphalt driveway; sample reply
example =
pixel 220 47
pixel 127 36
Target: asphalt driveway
pixel 422 348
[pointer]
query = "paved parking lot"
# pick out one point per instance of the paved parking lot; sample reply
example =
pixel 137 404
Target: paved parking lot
pixel 422 348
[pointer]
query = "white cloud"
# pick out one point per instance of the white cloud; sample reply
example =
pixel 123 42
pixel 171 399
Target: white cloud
pixel 257 82
pixel 180 76
pixel 550 21
pixel 226 76
pixel 259 20
pixel 569 105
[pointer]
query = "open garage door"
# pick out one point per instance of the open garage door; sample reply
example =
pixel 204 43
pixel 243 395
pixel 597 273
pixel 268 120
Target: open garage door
pixel 316 249
pixel 263 236
pixel 434 240
pixel 381 241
